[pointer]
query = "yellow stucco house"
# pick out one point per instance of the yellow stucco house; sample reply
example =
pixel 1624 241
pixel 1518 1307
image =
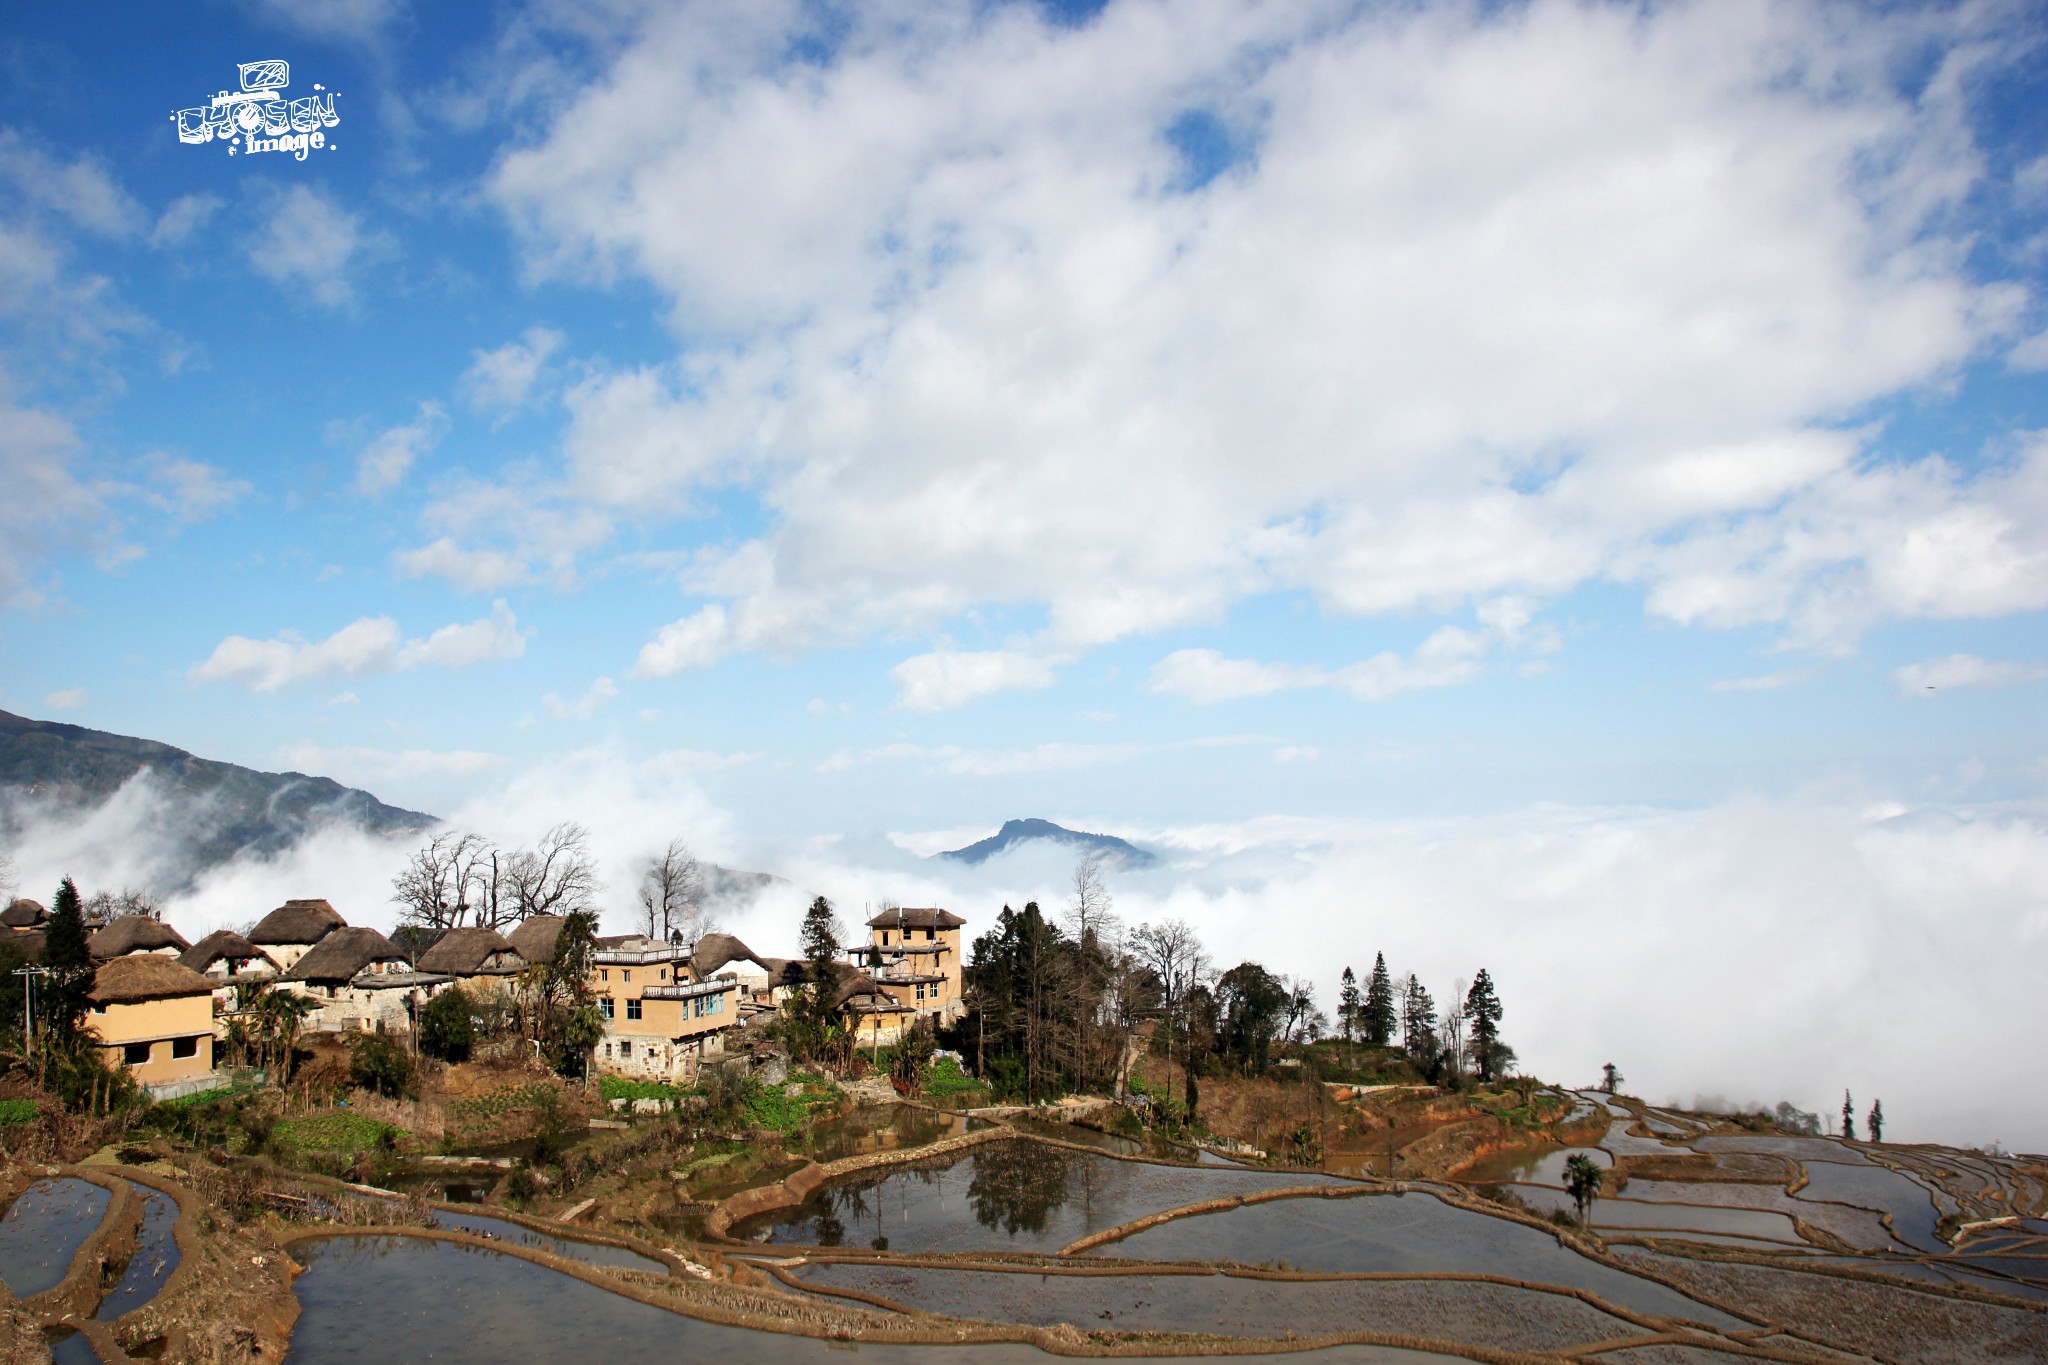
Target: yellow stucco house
pixel 154 1016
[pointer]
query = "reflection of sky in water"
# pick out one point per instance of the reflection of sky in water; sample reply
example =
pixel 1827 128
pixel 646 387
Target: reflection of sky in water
pixel 1494 1315
pixel 377 1299
pixel 1010 1195
pixel 503 1230
pixel 1878 1187
pixel 1414 1233
pixel 44 1229
pixel 156 1256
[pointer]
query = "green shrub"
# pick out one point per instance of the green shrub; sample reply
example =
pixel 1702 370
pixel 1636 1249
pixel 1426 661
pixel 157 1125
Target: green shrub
pixel 447 1026
pixel 16 1111
pixel 622 1088
pixel 376 1063
pixel 334 1133
pixel 946 1078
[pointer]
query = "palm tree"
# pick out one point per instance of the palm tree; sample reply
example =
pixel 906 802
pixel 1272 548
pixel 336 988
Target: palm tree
pixel 1582 1178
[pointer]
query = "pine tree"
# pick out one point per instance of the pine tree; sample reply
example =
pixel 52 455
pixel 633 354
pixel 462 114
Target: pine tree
pixel 68 961
pixel 1875 1123
pixel 819 939
pixel 1418 1024
pixel 1611 1078
pixel 1379 1017
pixel 1348 1005
pixel 1848 1118
pixel 1483 1011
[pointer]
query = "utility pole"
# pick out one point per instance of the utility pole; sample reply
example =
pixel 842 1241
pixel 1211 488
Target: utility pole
pixel 28 977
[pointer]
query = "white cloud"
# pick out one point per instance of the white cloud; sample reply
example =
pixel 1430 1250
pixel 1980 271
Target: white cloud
pixel 311 247
pixel 81 191
pixel 1505 300
pixel 369 646
pixel 1964 670
pixel 2030 355
pixel 696 641
pixel 496 636
pixel 70 699
pixel 471 570
pixel 189 490
pixel 585 706
pixel 367 767
pixel 357 21
pixel 948 678
pixel 385 461
pixel 1762 682
pixel 504 379
pixel 956 761
pixel 1450 657
pixel 46 506
pixel 186 215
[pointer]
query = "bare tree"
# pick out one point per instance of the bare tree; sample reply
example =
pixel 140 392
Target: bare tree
pixel 1090 923
pixel 1174 954
pixel 453 881
pixel 7 882
pixel 558 876
pixel 671 894
pixel 1454 1029
pixel 107 906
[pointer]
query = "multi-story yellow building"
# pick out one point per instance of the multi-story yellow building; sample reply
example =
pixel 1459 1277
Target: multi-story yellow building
pixel 914 955
pixel 660 1020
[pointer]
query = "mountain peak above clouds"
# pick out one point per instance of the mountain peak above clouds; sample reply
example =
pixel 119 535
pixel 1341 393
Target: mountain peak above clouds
pixel 1018 832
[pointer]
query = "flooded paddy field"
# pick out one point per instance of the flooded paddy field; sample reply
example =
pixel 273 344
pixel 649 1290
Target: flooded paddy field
pixel 570 1248
pixel 445 1301
pixel 1015 1195
pixel 156 1256
pixel 1500 1316
pixel 43 1230
pixel 1415 1233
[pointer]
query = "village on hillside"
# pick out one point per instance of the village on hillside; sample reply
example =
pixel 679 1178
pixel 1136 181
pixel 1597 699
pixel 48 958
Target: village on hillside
pixel 1027 1130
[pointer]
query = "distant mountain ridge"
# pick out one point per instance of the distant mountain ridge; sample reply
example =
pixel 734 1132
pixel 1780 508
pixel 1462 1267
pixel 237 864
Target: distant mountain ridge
pixel 235 809
pixel 1015 832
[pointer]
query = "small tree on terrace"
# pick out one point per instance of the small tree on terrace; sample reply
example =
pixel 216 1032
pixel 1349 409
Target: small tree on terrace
pixel 1611 1078
pixel 566 1023
pixel 1418 1025
pixel 1848 1118
pixel 1582 1178
pixel 1875 1122
pixel 1378 1019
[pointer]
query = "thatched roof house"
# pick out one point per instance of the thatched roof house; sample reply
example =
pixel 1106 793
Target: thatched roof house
pixel 136 934
pixel 472 952
pixel 23 914
pixel 297 923
pixel 139 977
pixel 912 917
pixel 536 936
pixel 714 951
pixel 28 941
pixel 343 953
pixel 859 994
pixel 225 945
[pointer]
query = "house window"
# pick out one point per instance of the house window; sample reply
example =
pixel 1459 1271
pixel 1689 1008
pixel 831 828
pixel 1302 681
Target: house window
pixel 605 1003
pixel 185 1047
pixel 603 975
pixel 136 1054
pixel 920 990
pixel 625 976
pixel 607 1049
pixel 885 938
pixel 664 973
pixel 632 1009
pixel 625 1048
pixel 930 934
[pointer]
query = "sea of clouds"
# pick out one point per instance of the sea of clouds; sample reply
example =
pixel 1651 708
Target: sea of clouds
pixel 1763 949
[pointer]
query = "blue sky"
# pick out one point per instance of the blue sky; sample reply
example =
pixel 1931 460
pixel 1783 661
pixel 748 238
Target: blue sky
pixel 1240 427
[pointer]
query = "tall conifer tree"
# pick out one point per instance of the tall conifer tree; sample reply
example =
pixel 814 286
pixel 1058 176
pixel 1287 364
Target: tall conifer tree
pixel 68 961
pixel 1349 1005
pixel 1379 1016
